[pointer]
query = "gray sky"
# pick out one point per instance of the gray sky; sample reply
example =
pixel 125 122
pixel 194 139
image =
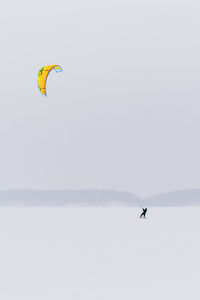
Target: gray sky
pixel 124 114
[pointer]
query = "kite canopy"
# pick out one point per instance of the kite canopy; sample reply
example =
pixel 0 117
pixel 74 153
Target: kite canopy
pixel 43 74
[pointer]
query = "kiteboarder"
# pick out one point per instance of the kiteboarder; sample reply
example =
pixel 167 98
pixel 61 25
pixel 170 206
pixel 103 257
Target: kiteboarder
pixel 143 214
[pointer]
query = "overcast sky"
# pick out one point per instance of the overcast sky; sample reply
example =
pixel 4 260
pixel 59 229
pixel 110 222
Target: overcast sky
pixel 125 112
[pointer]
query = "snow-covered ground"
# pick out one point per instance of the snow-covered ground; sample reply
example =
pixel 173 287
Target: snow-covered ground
pixel 99 253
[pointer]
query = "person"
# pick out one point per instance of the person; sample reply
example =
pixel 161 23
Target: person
pixel 143 214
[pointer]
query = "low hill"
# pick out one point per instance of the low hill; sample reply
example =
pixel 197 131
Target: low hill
pixel 96 198
pixel 176 198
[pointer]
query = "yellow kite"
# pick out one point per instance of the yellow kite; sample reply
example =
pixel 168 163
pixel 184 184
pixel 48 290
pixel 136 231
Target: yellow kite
pixel 43 74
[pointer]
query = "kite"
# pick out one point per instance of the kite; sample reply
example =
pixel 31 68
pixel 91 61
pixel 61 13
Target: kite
pixel 43 74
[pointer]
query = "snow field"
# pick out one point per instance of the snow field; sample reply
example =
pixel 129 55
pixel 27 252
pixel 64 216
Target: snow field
pixel 99 254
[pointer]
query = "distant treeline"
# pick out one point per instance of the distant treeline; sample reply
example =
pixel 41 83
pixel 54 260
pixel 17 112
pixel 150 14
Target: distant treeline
pixel 95 198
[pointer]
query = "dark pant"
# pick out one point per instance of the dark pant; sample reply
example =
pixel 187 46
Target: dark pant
pixel 143 215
